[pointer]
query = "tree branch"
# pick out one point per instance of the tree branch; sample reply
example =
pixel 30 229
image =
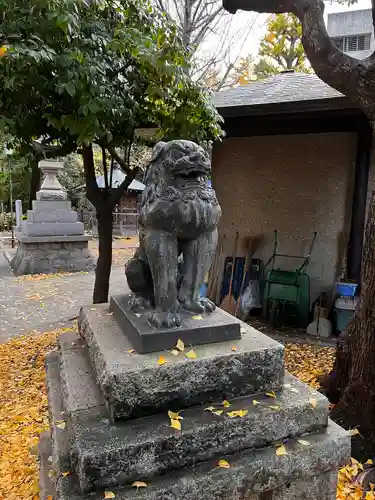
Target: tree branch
pixel 49 151
pixel 112 151
pixel 117 193
pixel 352 77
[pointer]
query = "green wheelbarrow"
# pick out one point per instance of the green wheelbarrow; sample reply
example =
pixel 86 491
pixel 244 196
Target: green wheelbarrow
pixel 286 295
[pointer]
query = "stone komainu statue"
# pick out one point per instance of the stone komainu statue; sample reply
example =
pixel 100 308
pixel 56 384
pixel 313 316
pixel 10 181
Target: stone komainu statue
pixel 178 219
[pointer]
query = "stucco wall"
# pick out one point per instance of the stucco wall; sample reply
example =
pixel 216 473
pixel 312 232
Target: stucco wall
pixel 295 184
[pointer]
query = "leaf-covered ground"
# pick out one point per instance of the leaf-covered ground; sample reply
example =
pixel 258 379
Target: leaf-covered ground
pixel 24 412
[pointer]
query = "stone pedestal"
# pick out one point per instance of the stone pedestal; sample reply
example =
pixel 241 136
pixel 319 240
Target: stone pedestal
pixel 113 403
pixel 51 239
pixel 52 254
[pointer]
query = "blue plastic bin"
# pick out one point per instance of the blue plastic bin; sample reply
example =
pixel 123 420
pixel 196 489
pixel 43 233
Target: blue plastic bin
pixel 346 289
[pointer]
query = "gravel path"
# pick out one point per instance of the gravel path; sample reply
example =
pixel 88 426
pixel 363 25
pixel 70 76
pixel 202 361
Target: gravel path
pixel 31 303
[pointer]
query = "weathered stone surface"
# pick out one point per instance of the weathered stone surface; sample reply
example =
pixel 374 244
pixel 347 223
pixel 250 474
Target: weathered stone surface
pixel 60 437
pixel 321 487
pixel 136 385
pixel 43 206
pixel 46 256
pixel 107 455
pixel 216 327
pixel 30 228
pixel 82 398
pixel 52 216
pixel 46 486
pixel 252 473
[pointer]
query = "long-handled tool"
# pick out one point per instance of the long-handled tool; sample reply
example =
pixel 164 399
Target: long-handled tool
pixel 216 270
pixel 252 244
pixel 229 304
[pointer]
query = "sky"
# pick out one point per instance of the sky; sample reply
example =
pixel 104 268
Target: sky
pixel 245 41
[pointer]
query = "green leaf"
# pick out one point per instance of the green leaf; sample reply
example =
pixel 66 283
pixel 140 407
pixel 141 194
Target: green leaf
pixel 70 88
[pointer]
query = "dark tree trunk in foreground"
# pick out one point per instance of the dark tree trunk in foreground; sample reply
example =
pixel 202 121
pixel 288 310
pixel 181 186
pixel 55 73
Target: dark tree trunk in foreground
pixel 352 381
pixel 104 200
pixel 104 264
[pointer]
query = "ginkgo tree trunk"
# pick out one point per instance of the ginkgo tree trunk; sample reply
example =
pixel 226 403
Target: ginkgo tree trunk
pixel 352 380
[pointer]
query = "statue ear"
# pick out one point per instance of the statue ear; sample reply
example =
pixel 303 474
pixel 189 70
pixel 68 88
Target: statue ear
pixel 158 148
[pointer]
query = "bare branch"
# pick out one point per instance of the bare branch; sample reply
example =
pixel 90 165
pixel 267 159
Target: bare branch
pixel 339 70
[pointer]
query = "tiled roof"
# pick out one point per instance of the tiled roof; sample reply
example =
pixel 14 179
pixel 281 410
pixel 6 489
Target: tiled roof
pixel 282 88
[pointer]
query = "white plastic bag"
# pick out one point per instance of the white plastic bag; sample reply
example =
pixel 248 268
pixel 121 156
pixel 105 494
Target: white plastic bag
pixel 250 298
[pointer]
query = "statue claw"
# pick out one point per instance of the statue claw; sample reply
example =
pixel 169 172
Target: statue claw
pixel 164 319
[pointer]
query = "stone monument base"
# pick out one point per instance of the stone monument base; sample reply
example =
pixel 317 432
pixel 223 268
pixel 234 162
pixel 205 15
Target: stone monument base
pixel 91 449
pixel 52 254
pixel 194 329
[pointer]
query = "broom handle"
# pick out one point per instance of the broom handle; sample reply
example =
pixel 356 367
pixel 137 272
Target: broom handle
pixel 246 268
pixel 233 263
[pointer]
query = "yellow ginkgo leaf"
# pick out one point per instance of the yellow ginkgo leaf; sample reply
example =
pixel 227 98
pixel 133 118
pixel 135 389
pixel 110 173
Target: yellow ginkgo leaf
pixel 233 414
pixel 313 402
pixel 61 424
pixel 191 354
pixel 209 408
pixel 130 351
pixel 139 484
pixel 355 432
pixel 255 402
pixel 303 442
pixel 223 464
pixel 162 360
pixel 372 486
pixel 369 461
pixel 198 316
pixel 271 394
pixel 217 412
pixel 65 474
pixel 175 352
pixel 226 403
pixel 49 497
pixel 109 494
pixel 175 424
pixel 274 407
pixel 243 413
pixel 174 416
pixel 180 345
pixel 234 348
pixel 281 451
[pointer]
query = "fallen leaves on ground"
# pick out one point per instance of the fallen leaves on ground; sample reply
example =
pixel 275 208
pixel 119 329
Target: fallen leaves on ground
pixel 23 412
pixel 308 362
pixel 41 277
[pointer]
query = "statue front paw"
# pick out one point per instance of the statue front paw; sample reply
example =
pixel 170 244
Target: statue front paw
pixel 208 305
pixel 137 302
pixel 164 319
pixel 198 306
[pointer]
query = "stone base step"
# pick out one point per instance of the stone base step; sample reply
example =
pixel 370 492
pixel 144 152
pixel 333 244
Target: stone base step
pixel 307 471
pixel 106 454
pixel 136 385
pixel 60 436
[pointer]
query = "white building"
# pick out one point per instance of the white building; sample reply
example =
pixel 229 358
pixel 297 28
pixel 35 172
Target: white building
pixel 352 32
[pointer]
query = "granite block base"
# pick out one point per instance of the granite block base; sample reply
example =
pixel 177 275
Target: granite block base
pixel 51 255
pixel 216 327
pixel 135 385
pixel 98 454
